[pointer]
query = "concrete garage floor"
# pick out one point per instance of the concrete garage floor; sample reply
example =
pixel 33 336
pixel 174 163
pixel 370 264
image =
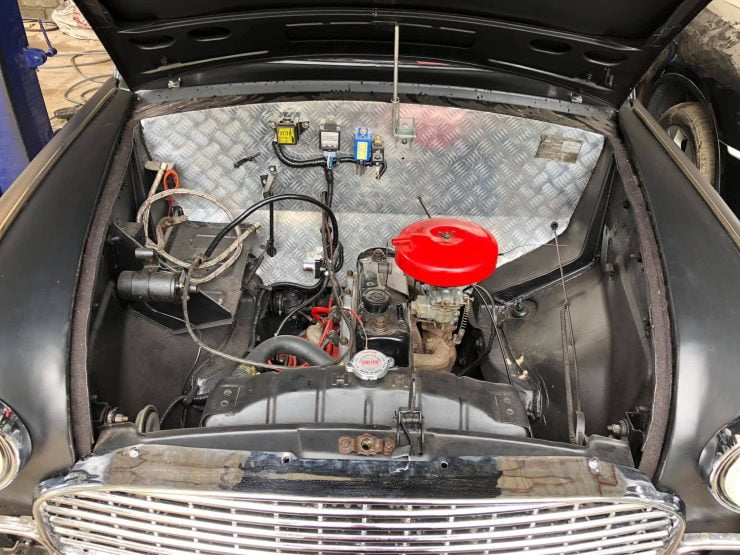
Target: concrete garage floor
pixel 63 85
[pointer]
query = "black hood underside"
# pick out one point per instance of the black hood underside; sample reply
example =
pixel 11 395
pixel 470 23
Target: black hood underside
pixel 595 48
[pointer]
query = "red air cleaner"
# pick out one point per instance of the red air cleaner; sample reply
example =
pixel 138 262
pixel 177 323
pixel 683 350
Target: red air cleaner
pixel 446 252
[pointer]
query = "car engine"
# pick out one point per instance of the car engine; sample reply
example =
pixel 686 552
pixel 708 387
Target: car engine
pixel 346 289
pixel 377 349
pixel 405 334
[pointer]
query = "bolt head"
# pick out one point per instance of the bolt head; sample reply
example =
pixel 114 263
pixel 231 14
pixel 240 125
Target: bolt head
pixel 133 452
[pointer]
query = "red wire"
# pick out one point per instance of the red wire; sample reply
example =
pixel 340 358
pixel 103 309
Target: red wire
pixel 175 183
pixel 327 328
pixel 315 311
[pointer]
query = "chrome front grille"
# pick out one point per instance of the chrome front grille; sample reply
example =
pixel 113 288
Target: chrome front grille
pixel 171 500
pixel 175 522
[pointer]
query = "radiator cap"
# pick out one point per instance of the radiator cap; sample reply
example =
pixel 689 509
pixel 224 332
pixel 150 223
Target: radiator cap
pixel 446 252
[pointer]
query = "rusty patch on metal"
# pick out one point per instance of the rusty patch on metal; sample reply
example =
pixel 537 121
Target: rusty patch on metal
pixel 366 444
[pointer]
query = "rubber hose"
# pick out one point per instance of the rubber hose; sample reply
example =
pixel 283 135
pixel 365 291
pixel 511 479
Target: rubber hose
pixel 292 345
pixel 299 287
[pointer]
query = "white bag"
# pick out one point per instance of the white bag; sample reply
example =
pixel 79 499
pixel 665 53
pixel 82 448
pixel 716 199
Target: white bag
pixel 71 22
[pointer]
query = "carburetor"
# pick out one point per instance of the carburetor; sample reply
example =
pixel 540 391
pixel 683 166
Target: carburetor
pixel 439 304
pixel 443 255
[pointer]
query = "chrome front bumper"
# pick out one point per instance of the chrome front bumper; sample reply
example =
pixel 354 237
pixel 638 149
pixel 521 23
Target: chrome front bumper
pixel 161 499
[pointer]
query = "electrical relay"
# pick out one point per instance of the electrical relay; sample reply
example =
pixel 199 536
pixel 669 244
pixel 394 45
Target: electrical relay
pixel 363 145
pixel 289 127
pixel 329 141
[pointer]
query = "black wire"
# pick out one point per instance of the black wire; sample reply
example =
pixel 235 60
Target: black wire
pixel 494 332
pixel 339 258
pixel 329 177
pixel 270 200
pixel 309 162
pixel 256 263
pixel 179 399
pixel 184 415
pixel 339 254
pixel 261 294
pixel 296 163
pixel 304 304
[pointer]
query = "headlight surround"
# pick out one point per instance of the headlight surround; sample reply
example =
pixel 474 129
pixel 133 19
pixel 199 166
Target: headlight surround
pixel 719 464
pixel 15 445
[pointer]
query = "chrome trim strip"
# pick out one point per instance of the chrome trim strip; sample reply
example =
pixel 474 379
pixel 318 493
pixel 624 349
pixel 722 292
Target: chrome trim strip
pixel 709 542
pixel 22 526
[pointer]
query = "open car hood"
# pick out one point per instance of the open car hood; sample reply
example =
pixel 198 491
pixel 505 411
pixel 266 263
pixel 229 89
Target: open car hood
pixel 597 49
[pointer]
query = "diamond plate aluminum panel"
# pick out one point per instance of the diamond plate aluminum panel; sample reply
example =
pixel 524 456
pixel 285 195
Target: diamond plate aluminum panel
pixel 475 165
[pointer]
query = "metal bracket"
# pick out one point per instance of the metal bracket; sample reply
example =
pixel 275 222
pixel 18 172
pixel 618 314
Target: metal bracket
pixel 366 444
pixel 267 182
pixel 403 128
pixel 410 425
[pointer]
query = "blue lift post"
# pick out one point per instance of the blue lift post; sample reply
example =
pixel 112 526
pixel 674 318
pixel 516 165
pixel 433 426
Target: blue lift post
pixel 24 123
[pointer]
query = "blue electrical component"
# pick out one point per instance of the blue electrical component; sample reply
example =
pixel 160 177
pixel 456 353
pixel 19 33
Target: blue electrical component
pixel 363 145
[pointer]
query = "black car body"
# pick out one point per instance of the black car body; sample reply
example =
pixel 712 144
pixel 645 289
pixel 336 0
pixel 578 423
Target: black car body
pixel 580 410
pixel 699 73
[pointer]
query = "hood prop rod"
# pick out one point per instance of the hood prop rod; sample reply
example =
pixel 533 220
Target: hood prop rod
pixel 576 418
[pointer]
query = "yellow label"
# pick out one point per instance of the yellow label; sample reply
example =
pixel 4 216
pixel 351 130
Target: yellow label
pixel 286 135
pixel 362 151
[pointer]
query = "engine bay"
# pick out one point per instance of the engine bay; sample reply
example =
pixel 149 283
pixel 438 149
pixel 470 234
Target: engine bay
pixel 305 264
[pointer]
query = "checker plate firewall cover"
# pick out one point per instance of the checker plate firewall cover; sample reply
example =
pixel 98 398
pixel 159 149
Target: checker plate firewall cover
pixel 467 164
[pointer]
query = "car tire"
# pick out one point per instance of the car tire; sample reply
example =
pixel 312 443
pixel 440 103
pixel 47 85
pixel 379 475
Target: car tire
pixel 692 129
